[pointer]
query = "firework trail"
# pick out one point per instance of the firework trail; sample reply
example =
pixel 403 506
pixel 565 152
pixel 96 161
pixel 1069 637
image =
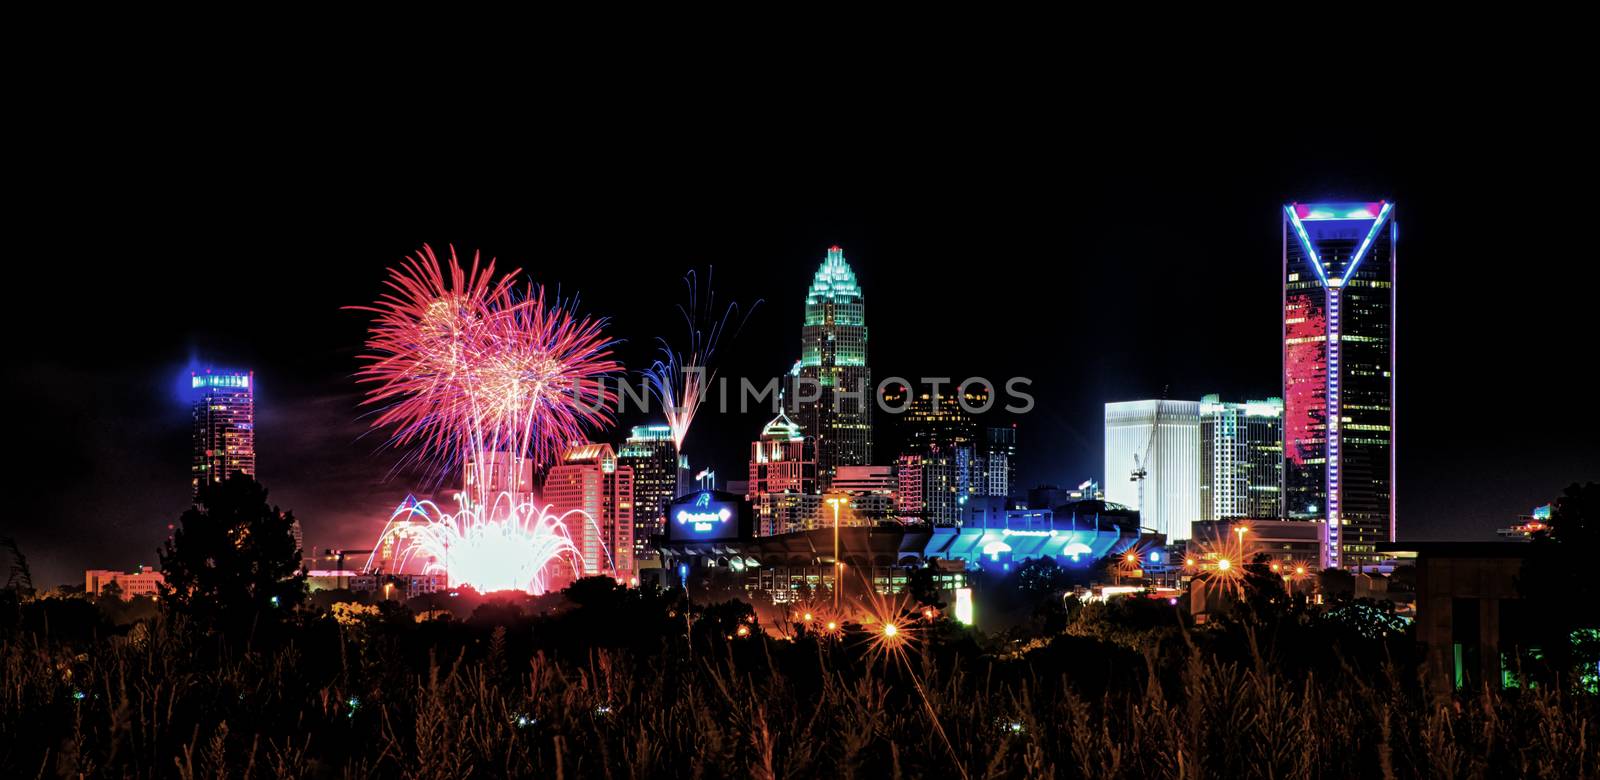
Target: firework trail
pixel 469 370
pixel 681 379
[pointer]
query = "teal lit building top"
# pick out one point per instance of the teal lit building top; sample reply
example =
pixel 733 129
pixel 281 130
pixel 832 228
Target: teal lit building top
pixel 835 281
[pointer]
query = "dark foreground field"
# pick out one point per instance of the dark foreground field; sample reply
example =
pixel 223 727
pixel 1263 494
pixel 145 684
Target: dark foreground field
pixel 636 684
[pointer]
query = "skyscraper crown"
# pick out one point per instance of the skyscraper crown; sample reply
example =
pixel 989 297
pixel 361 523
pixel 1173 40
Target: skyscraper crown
pixel 834 280
pixel 781 427
pixel 1336 236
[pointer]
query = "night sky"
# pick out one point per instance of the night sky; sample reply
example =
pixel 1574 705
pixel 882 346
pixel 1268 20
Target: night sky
pixel 1103 268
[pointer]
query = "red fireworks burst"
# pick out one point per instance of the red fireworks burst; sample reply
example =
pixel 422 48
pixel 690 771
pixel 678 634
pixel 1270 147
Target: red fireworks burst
pixel 464 363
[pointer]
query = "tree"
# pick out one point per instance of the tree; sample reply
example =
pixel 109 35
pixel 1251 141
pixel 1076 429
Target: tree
pixel 20 578
pixel 1560 598
pixel 111 591
pixel 923 587
pixel 233 557
pixel 1040 577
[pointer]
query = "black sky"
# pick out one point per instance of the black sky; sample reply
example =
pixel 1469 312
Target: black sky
pixel 1102 264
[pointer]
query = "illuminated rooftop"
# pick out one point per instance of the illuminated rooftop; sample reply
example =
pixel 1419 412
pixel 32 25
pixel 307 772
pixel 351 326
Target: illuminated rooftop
pixel 781 427
pixel 834 280
pixel 1336 236
pixel 220 378
pixel 1310 212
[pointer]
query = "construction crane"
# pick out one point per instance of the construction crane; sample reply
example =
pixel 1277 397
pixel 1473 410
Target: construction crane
pixel 1141 463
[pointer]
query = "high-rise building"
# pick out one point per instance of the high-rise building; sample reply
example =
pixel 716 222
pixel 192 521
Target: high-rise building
pixel 224 426
pixel 783 479
pixel 657 479
pixel 1000 462
pixel 780 461
pixel 945 452
pixel 1241 459
pixel 1160 439
pixel 1338 373
pixel 588 478
pixel 833 356
pixel 930 486
pixel 930 423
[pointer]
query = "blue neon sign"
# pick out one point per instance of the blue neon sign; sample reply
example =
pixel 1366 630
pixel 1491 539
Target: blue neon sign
pixel 706 515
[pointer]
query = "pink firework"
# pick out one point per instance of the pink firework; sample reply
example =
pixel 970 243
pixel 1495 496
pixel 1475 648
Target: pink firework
pixel 462 364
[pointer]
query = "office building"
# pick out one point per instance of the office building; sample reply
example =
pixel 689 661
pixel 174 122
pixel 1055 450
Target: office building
pixel 782 487
pixel 144 582
pixel 1153 462
pixel 1338 373
pixel 833 366
pixel 224 433
pixel 657 479
pixel 869 493
pixel 1241 459
pixel 588 478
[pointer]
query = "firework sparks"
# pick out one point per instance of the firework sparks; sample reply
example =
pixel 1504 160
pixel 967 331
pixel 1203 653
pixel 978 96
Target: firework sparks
pixel 681 379
pixel 470 370
pixel 462 364
pixel 506 545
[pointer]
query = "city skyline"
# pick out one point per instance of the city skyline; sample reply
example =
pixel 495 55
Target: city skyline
pixel 1061 447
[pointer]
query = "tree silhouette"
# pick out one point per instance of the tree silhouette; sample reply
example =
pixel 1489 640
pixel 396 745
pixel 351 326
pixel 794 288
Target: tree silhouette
pixel 111 590
pixel 233 557
pixel 1560 598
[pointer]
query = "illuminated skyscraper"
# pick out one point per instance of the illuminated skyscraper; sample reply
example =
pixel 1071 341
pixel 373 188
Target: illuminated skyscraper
pixel 999 476
pixel 833 356
pixel 1241 459
pixel 589 479
pixel 224 426
pixel 1163 439
pixel 780 461
pixel 1338 373
pixel 783 479
pixel 657 479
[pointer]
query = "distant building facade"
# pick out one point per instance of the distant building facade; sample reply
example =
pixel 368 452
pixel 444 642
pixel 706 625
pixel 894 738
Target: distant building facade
pixel 588 478
pixel 657 479
pixel 1241 459
pixel 870 492
pixel 144 582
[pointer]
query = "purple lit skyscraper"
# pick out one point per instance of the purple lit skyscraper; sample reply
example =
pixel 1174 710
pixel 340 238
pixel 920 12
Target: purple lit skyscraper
pixel 1338 373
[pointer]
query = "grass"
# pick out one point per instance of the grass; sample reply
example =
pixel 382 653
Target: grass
pixel 451 700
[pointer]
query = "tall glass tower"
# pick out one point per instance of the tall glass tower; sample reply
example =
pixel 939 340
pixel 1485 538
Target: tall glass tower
pixel 1338 373
pixel 224 426
pixel 657 479
pixel 833 355
pixel 1241 459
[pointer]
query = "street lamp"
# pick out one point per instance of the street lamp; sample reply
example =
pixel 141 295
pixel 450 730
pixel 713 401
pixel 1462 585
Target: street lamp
pixel 836 568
